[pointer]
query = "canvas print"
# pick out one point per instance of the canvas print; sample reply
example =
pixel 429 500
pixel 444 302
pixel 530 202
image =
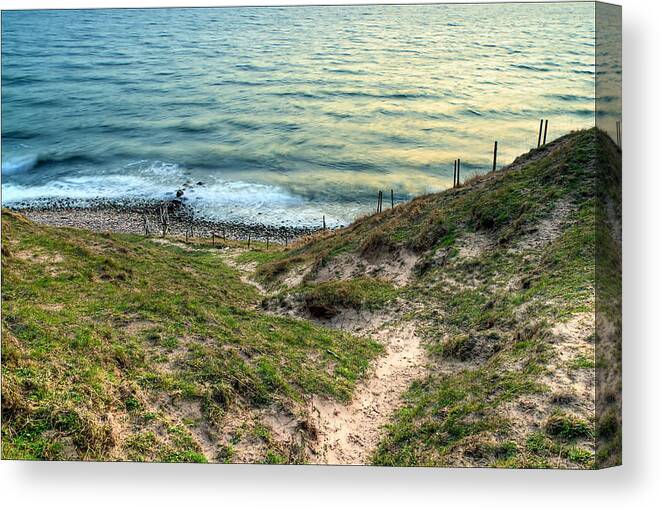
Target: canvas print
pixel 350 235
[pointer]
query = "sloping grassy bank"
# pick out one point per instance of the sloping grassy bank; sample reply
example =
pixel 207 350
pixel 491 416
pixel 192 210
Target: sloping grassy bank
pixel 503 292
pixel 116 347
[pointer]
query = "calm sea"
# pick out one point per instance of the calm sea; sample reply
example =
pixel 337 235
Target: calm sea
pixel 284 114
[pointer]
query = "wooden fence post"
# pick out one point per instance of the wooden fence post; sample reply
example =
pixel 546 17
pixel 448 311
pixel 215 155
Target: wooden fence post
pixel 618 135
pixel 392 199
pixel 539 136
pixel 458 172
pixel 495 155
pixel 164 219
pixel 454 175
pixel 249 235
pixel 546 127
pixel 323 220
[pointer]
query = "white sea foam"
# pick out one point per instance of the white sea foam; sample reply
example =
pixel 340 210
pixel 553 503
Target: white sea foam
pixel 221 200
pixel 265 204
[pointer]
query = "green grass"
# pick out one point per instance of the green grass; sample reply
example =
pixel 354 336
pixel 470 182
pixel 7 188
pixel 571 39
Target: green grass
pixel 541 451
pixel 568 427
pixel 261 256
pixel 96 328
pixel 581 362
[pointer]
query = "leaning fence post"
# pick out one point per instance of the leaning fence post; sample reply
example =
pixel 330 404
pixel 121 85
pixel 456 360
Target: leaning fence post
pixel 495 155
pixel 454 175
pixel 539 136
pixel 546 126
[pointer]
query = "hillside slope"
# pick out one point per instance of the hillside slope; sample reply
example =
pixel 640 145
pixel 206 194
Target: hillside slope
pixel 457 329
pixel 498 278
pixel 117 347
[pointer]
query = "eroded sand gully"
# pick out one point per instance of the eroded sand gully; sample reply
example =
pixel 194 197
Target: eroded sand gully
pixel 348 434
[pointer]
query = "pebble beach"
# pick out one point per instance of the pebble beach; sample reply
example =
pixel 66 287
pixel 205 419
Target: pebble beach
pixel 144 217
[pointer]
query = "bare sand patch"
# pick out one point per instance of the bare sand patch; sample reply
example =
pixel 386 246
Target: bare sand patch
pixel 348 434
pixel 548 229
pixel 396 269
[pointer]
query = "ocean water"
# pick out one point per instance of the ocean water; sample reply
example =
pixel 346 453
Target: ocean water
pixel 283 114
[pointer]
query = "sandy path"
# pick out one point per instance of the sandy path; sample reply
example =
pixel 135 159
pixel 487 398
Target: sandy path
pixel 348 434
pixel 246 270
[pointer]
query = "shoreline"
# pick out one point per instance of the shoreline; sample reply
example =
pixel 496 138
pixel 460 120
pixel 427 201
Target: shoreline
pixel 146 218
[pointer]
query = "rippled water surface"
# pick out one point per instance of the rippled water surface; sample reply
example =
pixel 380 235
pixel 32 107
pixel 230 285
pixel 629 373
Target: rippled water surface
pixel 284 114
